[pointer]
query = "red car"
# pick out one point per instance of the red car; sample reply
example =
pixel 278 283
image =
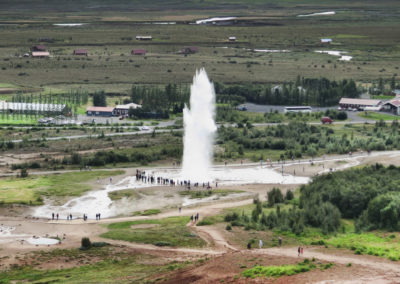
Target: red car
pixel 326 119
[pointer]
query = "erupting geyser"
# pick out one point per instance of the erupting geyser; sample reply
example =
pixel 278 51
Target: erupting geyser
pixel 199 129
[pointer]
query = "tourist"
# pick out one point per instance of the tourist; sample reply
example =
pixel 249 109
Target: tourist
pixel 52 216
pixel 260 244
pixel 301 250
pixel 180 209
pixel 298 251
pixel 191 218
pixel 280 241
pixel 110 179
pixel 57 216
pixel 70 216
pixel 99 216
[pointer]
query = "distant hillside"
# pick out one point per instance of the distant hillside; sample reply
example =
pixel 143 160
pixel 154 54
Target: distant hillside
pixel 135 5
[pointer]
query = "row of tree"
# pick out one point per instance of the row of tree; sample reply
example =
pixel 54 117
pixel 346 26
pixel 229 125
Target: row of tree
pixel 305 91
pixel 297 139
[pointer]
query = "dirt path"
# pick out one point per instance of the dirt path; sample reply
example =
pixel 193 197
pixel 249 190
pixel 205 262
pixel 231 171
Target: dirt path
pixel 372 262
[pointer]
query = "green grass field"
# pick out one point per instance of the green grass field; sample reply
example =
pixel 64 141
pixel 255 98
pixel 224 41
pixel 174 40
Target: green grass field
pixel 18 120
pixel 377 116
pixel 277 271
pixel 166 232
pixel 31 190
pixel 370 37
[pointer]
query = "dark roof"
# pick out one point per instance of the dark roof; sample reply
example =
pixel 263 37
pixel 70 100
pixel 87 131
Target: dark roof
pixel 39 47
pixel 138 51
pixel 394 102
pixel 190 49
pixel 80 51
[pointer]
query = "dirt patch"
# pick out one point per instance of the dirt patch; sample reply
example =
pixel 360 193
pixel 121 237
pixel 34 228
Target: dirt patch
pixel 228 268
pixel 144 226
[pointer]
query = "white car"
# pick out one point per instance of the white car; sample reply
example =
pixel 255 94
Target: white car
pixel 145 128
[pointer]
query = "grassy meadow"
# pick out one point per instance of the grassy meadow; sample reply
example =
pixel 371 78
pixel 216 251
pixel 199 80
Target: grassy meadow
pixel 369 36
pixel 33 189
pixel 165 232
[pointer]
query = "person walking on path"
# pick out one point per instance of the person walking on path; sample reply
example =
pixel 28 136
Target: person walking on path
pixel 180 209
pixel 280 241
pixel 301 250
pixel 298 250
pixel 260 244
pixel 57 216
pixel 52 216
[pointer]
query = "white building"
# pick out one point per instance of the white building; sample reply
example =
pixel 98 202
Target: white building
pixel 124 109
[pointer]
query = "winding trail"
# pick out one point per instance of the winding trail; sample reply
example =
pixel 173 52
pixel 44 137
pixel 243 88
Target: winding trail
pixel 368 261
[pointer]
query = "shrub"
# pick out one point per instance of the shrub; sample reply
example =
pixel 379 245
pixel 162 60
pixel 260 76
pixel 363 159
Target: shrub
pixel 205 222
pixel 85 244
pixel 289 195
pixel 23 173
pixel 162 244
pixel 274 196
pixel 99 244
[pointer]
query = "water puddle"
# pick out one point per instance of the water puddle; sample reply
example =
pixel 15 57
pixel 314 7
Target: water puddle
pixel 42 241
pixel 70 24
pixel 330 13
pixel 216 19
pixel 336 53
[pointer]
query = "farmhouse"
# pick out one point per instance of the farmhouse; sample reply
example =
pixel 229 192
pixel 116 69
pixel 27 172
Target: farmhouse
pixel 81 52
pixel 99 111
pixel 38 48
pixel 124 109
pixel 138 52
pixel 190 50
pixel 30 107
pixel 358 103
pixel 40 54
pixel 326 40
pixel 392 106
pixel 139 37
pixel 232 39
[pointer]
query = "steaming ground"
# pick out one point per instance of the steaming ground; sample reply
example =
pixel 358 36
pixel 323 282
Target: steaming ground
pixel 151 196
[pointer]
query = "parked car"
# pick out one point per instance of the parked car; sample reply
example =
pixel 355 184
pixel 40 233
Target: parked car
pixel 326 119
pixel 242 108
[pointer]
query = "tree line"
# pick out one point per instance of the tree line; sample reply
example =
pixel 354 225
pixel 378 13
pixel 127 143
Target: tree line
pixel 305 91
pixel 370 195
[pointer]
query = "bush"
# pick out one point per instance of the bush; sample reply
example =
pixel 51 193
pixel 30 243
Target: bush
pixel 205 222
pixel 289 195
pixel 274 196
pixel 231 217
pixel 23 173
pixel 85 244
pixel 162 244
pixel 99 244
